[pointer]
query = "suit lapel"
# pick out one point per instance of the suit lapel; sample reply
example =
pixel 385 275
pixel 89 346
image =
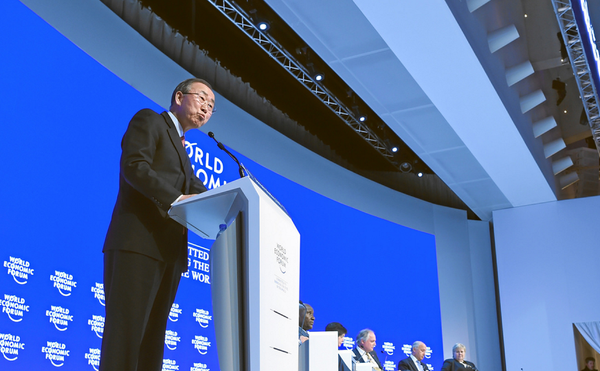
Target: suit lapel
pixel 176 141
pixel 413 364
pixel 357 356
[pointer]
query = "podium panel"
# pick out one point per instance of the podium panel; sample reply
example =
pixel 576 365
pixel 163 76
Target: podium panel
pixel 255 268
pixel 320 352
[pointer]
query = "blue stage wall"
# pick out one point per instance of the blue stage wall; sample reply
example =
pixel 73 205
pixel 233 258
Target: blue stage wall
pixel 64 116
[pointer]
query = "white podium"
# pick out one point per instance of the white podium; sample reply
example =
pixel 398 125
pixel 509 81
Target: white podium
pixel 319 352
pixel 255 268
pixel 347 356
pixel 364 367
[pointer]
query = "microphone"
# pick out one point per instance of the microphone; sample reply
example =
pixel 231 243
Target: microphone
pixel 386 355
pixel 222 147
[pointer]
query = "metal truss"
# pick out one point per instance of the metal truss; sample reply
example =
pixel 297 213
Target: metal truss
pixel 579 63
pixel 290 64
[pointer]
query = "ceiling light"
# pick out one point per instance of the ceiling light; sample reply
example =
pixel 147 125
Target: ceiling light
pixel 263 25
pixel 394 149
pixel 359 116
pixel 420 174
pixel 405 167
pixel 260 23
pixel 314 74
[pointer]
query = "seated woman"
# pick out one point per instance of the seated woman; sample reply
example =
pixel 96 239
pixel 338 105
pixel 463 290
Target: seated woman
pixel 341 330
pixel 458 363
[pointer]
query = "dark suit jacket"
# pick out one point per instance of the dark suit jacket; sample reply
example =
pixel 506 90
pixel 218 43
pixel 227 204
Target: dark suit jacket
pixel 155 170
pixel 373 354
pixel 453 365
pixel 407 364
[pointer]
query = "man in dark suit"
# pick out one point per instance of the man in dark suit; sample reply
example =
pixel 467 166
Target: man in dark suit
pixel 364 351
pixel 413 363
pixel 145 252
pixel 307 320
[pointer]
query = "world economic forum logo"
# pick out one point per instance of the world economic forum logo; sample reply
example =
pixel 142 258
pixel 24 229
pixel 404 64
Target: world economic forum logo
pixel 98 290
pixel 93 358
pixel 56 353
pixel 172 339
pixel 10 345
pixel 19 269
pixel 170 365
pixel 203 317
pixel 63 282
pixel 60 317
pixel 199 366
pixel 201 344
pixel 96 324
pixel 281 258
pixel 348 343
pixel 388 348
pixel 175 312
pixel 14 307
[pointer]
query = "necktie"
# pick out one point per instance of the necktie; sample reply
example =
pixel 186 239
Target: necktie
pixel 372 361
pixel 183 141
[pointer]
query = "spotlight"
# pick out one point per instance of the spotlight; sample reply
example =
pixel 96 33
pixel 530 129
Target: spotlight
pixel 405 167
pixel 359 116
pixel 314 74
pixel 563 49
pixel 260 23
pixel 263 25
pixel 561 89
pixel 420 174
pixel 389 145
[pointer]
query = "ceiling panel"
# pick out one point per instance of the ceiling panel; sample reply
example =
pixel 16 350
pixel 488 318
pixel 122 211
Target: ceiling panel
pixel 428 128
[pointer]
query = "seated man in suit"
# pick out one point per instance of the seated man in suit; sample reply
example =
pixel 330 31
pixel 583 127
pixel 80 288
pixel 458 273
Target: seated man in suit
pixel 413 363
pixel 364 353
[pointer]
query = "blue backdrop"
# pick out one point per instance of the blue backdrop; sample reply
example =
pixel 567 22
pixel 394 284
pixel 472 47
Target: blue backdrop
pixel 63 119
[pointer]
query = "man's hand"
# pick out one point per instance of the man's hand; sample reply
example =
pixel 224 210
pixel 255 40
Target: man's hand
pixel 186 196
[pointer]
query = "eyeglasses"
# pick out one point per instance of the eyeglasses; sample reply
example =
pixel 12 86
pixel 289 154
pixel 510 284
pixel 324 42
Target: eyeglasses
pixel 203 100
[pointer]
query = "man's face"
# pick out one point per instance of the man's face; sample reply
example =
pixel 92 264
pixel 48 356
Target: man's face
pixel 369 344
pixel 590 365
pixel 309 318
pixel 194 109
pixel 419 352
